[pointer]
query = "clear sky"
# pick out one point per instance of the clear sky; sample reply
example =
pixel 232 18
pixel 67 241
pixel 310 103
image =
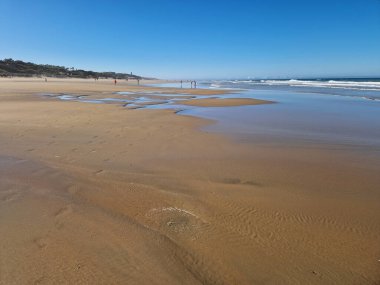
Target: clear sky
pixel 197 38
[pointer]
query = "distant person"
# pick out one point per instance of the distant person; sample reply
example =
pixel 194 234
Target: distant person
pixel 45 79
pixel 115 81
pixel 195 84
pixel 181 83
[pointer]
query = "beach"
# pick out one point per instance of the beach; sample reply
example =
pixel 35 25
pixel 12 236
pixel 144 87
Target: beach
pixel 114 193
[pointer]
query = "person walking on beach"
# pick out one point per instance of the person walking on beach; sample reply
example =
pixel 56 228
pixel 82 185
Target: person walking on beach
pixel 115 81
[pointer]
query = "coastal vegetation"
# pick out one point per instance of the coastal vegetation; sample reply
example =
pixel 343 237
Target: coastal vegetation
pixel 18 68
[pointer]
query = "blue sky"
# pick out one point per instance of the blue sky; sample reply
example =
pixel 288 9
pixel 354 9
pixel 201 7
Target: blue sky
pixel 197 39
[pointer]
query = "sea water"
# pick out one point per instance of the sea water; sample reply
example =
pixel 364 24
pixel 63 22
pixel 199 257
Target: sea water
pixel 332 111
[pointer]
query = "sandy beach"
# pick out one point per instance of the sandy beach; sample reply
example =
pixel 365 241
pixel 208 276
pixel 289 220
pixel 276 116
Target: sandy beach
pixel 105 194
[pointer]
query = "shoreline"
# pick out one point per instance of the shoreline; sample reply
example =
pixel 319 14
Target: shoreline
pixel 99 191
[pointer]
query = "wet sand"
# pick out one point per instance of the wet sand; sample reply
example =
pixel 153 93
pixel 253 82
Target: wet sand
pixel 102 194
pixel 215 102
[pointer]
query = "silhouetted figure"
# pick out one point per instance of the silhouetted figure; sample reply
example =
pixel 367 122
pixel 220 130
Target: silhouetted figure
pixel 181 83
pixel 115 81
pixel 138 81
pixel 195 84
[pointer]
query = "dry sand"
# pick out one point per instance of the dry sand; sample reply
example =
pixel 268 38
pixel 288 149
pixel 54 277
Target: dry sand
pixel 100 194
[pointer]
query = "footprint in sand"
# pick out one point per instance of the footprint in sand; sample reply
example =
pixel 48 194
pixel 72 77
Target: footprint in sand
pixel 9 196
pixel 61 214
pixel 42 242
pixel 64 211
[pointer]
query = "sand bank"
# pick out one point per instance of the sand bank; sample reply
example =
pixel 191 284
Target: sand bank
pixel 100 194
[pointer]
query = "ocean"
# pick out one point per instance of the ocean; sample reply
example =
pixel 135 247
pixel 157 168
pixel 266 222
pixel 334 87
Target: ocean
pixel 366 88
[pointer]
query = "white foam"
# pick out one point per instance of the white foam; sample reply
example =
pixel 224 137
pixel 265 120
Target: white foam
pixel 364 85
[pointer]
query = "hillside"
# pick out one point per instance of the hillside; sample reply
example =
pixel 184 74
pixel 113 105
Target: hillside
pixel 10 67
